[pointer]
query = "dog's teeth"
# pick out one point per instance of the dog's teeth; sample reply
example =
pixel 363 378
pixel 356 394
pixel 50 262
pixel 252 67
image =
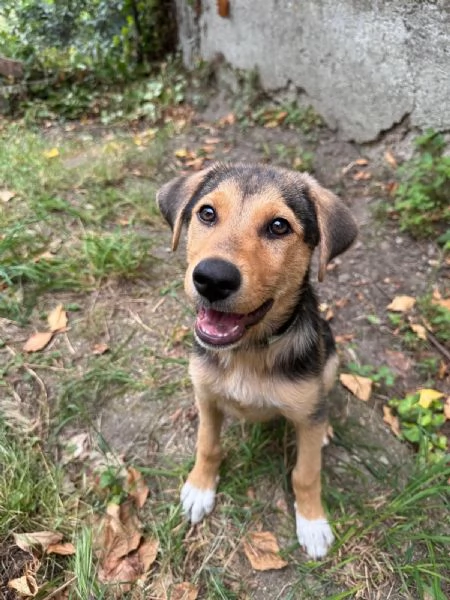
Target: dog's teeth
pixel 314 535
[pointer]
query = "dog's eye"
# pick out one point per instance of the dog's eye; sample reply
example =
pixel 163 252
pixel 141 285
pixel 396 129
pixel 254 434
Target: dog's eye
pixel 207 214
pixel 279 227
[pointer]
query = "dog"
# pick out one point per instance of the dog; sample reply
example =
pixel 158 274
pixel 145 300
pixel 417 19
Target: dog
pixel 261 348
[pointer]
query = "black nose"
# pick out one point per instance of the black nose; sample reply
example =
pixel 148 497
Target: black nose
pixel 216 279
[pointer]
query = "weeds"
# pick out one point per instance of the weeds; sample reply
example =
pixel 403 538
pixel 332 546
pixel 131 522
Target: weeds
pixel 424 189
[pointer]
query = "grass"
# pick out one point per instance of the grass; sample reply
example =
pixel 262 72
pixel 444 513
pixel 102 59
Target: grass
pixel 81 229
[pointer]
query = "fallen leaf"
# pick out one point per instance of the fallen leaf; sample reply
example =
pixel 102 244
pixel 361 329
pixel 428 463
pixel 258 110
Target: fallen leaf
pixel 419 330
pixel 182 153
pixel 37 341
pixel 100 348
pixel 212 140
pixel 391 420
pixel 229 119
pixel 262 550
pixel 76 448
pixel 362 176
pixel 136 487
pixel 427 396
pixel 402 304
pixel 25 586
pixel 447 409
pixel 53 153
pixel 390 159
pixel 65 549
pixel 443 302
pixel 42 539
pixel 6 195
pixel 57 319
pixel 361 387
pixel 180 334
pixel 147 553
pixel 398 360
pixel 184 591
pixel 344 338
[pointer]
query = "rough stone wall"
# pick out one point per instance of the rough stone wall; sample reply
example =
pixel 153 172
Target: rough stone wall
pixel 364 65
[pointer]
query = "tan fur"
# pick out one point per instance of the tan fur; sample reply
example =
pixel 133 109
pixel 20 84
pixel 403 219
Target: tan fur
pixel 244 382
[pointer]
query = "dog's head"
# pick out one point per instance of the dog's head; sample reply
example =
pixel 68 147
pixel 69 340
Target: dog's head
pixel 252 230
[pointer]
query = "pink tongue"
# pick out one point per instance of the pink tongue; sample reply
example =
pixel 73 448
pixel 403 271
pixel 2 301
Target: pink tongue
pixel 220 327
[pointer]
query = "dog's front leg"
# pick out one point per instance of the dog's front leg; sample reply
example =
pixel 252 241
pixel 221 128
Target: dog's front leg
pixel 313 530
pixel 199 491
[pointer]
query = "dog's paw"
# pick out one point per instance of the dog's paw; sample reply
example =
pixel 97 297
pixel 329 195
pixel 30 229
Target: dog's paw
pixel 196 503
pixel 314 535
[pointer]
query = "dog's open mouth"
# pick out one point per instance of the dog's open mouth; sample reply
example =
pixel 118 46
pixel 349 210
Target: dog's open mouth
pixel 223 328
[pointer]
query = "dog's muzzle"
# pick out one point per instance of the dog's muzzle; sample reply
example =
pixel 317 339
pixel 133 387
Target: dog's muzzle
pixel 216 280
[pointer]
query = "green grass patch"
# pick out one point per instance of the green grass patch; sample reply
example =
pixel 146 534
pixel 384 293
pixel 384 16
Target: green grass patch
pixel 422 197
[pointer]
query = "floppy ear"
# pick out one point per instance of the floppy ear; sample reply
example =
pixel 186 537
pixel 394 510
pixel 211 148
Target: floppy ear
pixel 337 226
pixel 173 197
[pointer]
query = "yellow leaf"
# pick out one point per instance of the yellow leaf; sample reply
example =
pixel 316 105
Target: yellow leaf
pixel 390 159
pixel 262 550
pixel 37 341
pixel 419 330
pixel 53 153
pixel 402 304
pixel 181 153
pixel 427 395
pixel 361 387
pixel 57 319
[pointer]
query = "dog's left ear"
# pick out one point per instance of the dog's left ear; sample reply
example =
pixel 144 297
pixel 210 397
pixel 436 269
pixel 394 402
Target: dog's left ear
pixel 337 226
pixel 173 197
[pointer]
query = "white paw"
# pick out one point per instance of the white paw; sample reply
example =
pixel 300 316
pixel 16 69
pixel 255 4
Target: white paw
pixel 196 503
pixel 314 535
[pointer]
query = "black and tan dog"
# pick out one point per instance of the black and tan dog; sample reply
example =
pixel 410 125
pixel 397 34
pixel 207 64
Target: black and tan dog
pixel 261 348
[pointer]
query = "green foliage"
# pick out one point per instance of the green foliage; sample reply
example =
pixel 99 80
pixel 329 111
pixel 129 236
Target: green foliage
pixel 438 316
pixel 381 375
pixel 108 37
pixel 422 198
pixel 420 424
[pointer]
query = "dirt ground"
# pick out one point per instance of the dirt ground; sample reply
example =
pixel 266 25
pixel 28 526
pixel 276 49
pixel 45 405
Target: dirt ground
pixel 156 426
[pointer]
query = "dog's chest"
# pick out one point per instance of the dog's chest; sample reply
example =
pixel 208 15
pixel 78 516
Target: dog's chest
pixel 249 391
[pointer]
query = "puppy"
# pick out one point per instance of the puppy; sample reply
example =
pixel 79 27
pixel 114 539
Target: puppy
pixel 261 348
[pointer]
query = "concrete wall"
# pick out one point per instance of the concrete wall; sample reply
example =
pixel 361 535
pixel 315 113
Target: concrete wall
pixel 364 65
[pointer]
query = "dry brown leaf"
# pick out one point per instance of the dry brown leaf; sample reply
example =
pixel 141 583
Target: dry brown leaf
pixel 25 586
pixel 42 539
pixel 65 549
pixel 361 387
pixel 447 408
pixel 398 360
pixel 390 159
pixel 6 195
pixel 391 420
pixel 439 301
pixel 229 119
pixel 99 349
pixel 419 330
pixel 57 319
pixel 402 304
pixel 136 487
pixel 184 591
pixel 262 550
pixel 362 176
pixel 147 553
pixel 37 341
pixel 212 140
pixel 345 337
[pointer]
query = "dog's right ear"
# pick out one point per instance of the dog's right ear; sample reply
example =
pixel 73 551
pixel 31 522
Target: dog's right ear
pixel 173 198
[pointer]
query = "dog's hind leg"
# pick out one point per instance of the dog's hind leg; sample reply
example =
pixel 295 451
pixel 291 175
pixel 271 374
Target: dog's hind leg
pixel 313 531
pixel 199 491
